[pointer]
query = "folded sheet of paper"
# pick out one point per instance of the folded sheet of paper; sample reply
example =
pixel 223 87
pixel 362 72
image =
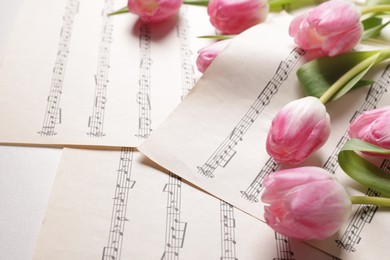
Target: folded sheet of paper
pixel 73 75
pixel 120 205
pixel 215 139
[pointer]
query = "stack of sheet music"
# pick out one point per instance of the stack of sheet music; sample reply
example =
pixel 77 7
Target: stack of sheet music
pixel 159 162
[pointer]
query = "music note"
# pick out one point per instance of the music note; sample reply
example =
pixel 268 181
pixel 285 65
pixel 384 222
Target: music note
pixel 283 70
pixel 345 246
pixel 118 214
pixel 59 70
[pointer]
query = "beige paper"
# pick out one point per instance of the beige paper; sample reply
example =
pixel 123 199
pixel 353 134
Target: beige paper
pixel 74 76
pixel 216 138
pixel 120 205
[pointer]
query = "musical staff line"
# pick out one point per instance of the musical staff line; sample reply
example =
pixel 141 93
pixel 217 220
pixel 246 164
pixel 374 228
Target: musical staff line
pixel 373 96
pixel 228 225
pixel 386 165
pixel 175 230
pixel 53 111
pixel 124 183
pixel 144 93
pixel 363 215
pixel 188 73
pixel 253 191
pixel 96 120
pixel 351 236
pixel 225 151
pixel 283 248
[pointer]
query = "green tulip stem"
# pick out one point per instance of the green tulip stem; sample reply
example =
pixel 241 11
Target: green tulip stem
pixel 288 5
pixel 196 2
pixel 375 9
pixel 378 201
pixel 120 11
pixel 383 54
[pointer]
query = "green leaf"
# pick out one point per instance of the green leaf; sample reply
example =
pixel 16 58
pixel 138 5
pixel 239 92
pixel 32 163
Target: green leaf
pixel 371 21
pixel 196 2
pixel 371 30
pixel 353 82
pixel 318 75
pixel 359 145
pixel 360 169
pixel 120 11
pixel 363 83
pixel 369 26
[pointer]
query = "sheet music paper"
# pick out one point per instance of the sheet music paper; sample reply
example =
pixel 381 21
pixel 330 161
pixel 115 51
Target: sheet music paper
pixel 74 76
pixel 120 205
pixel 216 138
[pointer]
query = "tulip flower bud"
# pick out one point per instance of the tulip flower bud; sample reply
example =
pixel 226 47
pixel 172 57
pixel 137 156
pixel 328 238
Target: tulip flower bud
pixel 372 127
pixel 298 129
pixel 207 54
pixel 305 203
pixel 153 11
pixel 235 16
pixel 332 28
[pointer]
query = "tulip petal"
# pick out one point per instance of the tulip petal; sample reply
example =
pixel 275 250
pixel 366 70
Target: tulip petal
pixel 233 17
pixel 154 11
pixel 334 17
pixel 373 126
pixel 300 128
pixel 339 43
pixel 305 203
pixel 332 27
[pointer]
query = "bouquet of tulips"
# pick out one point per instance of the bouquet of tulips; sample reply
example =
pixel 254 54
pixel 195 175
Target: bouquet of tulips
pixel 308 202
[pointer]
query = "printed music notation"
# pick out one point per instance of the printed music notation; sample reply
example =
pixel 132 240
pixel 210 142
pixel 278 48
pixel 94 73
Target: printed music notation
pixel 228 225
pixel 53 110
pixel 188 77
pixel 65 233
pixel 374 94
pixel 253 191
pixel 386 165
pixel 364 214
pixel 118 216
pixel 175 230
pixel 144 93
pixel 96 120
pixel 283 248
pixel 225 152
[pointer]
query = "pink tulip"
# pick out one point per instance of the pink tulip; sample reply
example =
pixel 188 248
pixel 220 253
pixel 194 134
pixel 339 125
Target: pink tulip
pixel 373 127
pixel 333 27
pixel 207 54
pixel 235 16
pixel 298 129
pixel 153 11
pixel 305 203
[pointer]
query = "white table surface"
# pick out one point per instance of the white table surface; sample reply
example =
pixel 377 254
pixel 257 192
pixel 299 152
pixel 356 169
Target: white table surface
pixel 26 176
